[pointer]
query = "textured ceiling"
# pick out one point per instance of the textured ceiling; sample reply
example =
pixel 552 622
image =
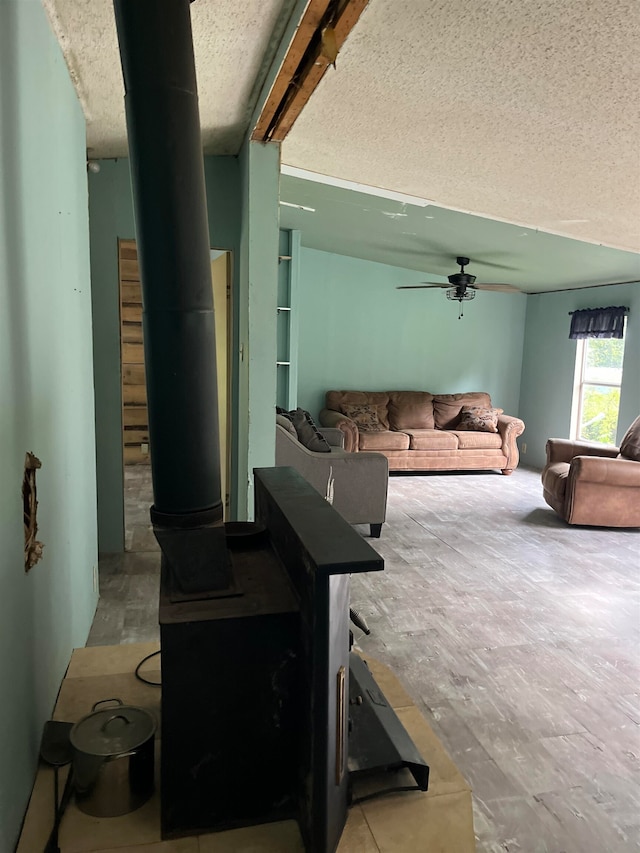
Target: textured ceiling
pixel 234 44
pixel 428 239
pixel 525 110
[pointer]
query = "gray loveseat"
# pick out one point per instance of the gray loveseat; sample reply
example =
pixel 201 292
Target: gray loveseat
pixel 360 480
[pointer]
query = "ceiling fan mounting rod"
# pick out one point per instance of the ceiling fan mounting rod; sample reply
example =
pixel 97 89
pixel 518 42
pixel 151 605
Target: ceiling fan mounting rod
pixel 462 262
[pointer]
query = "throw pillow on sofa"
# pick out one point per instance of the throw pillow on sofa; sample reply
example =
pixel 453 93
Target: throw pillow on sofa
pixel 306 430
pixel 447 407
pixel 366 417
pixel 479 419
pixel 379 400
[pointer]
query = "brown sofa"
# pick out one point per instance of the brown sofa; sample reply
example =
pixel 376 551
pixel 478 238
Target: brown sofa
pixel 594 484
pixel 417 430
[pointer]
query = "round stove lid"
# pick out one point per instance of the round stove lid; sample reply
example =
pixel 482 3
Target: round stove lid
pixel 113 731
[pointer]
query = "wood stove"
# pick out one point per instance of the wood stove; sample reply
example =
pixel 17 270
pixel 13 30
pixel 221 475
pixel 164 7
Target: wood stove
pixel 255 686
pixel 254 627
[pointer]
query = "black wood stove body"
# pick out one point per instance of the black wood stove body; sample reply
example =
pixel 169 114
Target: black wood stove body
pixel 255 685
pixel 254 630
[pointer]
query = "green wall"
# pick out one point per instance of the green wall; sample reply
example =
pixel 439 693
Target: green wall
pixel 257 301
pixel 111 217
pixel 242 200
pixel 549 362
pixel 356 331
pixel 46 389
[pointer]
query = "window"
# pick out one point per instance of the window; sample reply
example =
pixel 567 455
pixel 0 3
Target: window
pixel 596 393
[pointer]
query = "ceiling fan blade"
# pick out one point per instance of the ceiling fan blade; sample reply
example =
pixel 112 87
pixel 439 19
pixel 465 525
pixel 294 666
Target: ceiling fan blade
pixel 420 286
pixel 508 267
pixel 498 288
pixel 486 260
pixel 492 259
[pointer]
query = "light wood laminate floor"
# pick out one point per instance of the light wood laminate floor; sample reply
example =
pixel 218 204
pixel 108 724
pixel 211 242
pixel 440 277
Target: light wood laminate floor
pixel 516 635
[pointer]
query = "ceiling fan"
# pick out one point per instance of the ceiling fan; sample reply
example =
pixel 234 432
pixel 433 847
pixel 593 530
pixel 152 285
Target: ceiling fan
pixel 462 286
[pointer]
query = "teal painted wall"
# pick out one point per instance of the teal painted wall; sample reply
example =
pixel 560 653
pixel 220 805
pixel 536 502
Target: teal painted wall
pixel 111 217
pixel 549 363
pixel 257 301
pixel 356 331
pixel 46 389
pixel 224 204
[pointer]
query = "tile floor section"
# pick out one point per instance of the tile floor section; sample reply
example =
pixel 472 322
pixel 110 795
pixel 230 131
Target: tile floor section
pixel 439 821
pixel 517 636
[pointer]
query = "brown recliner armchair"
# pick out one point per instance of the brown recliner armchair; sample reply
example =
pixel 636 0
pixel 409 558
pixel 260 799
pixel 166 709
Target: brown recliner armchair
pixel 595 484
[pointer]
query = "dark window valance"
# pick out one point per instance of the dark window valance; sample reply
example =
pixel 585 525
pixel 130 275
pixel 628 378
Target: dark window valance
pixel 598 322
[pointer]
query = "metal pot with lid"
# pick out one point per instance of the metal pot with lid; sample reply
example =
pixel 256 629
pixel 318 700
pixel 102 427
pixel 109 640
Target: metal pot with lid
pixel 113 759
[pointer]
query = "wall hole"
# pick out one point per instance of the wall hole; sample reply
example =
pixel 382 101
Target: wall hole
pixel 32 548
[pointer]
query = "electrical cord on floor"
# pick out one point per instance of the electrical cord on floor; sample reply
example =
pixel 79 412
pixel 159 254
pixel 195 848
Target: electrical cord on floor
pixel 356 617
pixel 141 677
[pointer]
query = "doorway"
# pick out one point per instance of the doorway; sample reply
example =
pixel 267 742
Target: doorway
pixel 138 492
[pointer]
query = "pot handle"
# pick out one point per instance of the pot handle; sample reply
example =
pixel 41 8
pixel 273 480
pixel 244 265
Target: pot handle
pixel 102 701
pixel 112 718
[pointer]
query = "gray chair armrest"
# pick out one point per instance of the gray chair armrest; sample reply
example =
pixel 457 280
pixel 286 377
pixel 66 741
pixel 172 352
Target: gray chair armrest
pixel 334 436
pixel 360 480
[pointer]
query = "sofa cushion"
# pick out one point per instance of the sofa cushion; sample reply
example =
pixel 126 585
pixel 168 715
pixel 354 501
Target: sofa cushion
pixel 630 444
pixel 410 410
pixel 386 440
pixel 432 439
pixel 478 440
pixel 478 419
pixel 365 416
pixel 447 407
pixel 380 399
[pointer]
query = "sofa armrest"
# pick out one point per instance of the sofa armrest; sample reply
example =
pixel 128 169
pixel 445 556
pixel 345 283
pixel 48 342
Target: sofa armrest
pixel 510 428
pixel 360 486
pixel 360 480
pixel 606 471
pixel 334 437
pixel 331 418
pixel 564 450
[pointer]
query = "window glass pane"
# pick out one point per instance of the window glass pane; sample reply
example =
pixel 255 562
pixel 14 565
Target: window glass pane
pixel 599 416
pixel 603 361
pixel 596 393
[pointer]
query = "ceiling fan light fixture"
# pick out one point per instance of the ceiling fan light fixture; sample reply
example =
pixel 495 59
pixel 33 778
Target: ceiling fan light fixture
pixel 457 294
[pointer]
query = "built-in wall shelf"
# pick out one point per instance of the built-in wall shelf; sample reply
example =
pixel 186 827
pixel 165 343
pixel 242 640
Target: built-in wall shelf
pixel 287 320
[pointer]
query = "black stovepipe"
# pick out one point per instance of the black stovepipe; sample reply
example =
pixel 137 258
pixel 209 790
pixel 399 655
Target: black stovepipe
pixel 167 175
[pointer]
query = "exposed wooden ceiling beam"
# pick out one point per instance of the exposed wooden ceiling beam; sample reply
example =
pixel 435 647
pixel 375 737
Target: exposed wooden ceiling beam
pixel 311 20
pixel 305 65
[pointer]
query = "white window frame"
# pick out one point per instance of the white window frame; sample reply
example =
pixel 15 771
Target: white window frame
pixel 579 384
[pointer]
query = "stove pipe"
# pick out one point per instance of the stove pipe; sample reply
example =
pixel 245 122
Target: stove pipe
pixel 167 175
